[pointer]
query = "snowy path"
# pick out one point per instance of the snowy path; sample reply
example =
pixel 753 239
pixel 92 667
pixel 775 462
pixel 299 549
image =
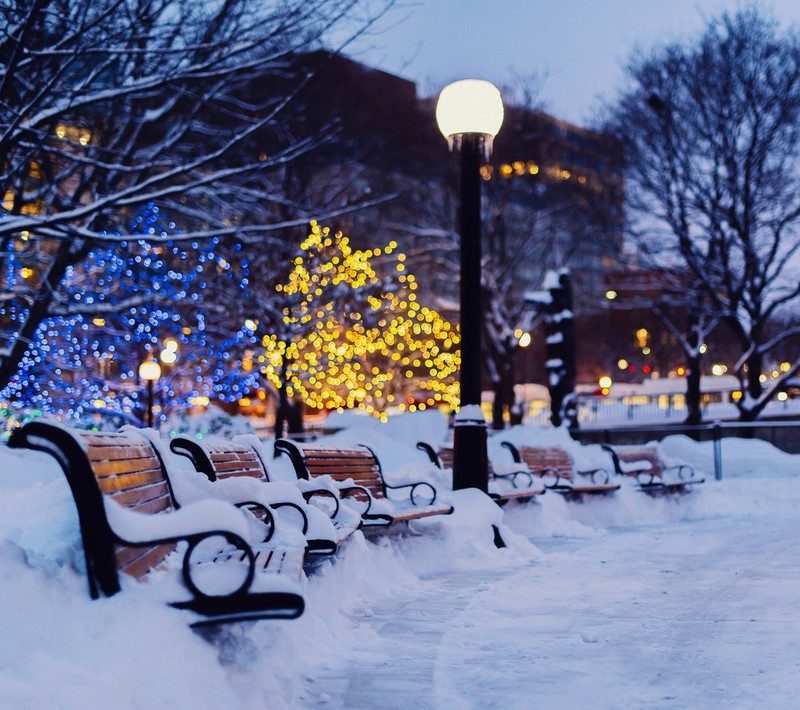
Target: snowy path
pixel 690 614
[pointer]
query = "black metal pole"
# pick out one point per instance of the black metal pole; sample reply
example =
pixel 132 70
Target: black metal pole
pixel 470 463
pixel 150 403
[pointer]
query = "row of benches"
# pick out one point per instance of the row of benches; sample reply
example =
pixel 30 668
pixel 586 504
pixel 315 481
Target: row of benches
pixel 234 566
pixel 134 517
pixel 535 469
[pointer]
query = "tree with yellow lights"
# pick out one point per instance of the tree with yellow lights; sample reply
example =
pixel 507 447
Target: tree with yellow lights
pixel 352 337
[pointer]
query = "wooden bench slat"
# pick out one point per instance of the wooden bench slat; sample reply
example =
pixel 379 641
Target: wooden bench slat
pixel 514 495
pixel 152 506
pixel 632 454
pixel 594 488
pixel 138 561
pixel 223 466
pixel 224 459
pixel 139 465
pixel 538 458
pixel 110 484
pixel 332 462
pixel 135 497
pixel 413 514
pixel 104 438
pixel 258 475
pixel 118 452
pixel 344 474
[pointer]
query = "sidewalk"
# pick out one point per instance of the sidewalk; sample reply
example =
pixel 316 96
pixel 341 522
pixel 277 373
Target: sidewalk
pixel 697 614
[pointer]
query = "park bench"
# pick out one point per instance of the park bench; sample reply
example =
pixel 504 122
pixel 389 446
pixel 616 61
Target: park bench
pixel 221 460
pixel 557 468
pixel 131 524
pixel 357 474
pixel 653 475
pixel 504 485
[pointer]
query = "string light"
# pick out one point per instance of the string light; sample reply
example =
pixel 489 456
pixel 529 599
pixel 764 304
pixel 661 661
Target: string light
pixel 356 321
pixel 137 297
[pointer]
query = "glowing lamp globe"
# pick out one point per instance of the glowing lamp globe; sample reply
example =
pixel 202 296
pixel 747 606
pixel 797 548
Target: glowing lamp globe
pixel 469 106
pixel 149 370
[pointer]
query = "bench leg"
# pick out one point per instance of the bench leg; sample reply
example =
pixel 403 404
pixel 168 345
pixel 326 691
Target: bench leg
pixel 498 538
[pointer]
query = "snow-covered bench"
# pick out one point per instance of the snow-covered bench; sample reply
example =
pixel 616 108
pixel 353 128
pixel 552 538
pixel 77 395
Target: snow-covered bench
pixel 557 468
pixel 513 482
pixel 652 473
pixel 131 524
pixel 223 461
pixel 356 472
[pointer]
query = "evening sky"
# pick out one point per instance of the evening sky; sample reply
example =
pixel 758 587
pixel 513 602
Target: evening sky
pixel 577 48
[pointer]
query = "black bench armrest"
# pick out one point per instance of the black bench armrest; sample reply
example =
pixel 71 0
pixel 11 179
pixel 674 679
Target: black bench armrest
pixel 685 471
pixel 549 471
pixel 412 492
pixel 269 519
pixel 514 451
pixel 431 453
pixel 615 460
pixel 513 475
pixel 354 491
pixel 237 543
pixel 327 494
pixel 597 475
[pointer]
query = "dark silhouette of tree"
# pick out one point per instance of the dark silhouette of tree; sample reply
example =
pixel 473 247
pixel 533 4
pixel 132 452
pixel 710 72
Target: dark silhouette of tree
pixel 108 105
pixel 711 132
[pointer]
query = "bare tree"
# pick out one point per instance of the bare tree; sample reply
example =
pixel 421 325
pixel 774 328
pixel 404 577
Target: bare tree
pixel 517 261
pixel 711 132
pixel 111 104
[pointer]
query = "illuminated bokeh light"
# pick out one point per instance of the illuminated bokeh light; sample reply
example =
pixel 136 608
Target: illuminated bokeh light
pixel 356 338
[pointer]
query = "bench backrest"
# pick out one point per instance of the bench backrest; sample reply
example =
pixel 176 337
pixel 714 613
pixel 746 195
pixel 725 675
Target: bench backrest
pixel 341 463
pixel 632 453
pixel 221 459
pixel 122 465
pixel 542 457
pixel 446 455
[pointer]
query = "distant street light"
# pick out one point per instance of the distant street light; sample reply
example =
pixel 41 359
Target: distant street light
pixel 469 114
pixel 150 372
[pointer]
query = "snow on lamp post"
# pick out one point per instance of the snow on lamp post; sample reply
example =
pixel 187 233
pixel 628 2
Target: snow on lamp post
pixel 469 114
pixel 150 372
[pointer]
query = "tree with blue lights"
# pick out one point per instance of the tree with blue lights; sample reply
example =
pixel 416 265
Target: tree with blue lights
pixel 127 303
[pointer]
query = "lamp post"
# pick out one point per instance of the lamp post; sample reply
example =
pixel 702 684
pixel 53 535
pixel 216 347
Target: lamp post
pixel 150 371
pixel 469 114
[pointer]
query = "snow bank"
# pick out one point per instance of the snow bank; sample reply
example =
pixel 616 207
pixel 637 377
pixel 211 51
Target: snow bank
pixel 58 647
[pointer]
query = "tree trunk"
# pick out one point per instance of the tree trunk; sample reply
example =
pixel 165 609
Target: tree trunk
pixel 754 389
pixel 694 412
pixel 560 342
pixel 295 417
pixel 504 395
pixel 754 365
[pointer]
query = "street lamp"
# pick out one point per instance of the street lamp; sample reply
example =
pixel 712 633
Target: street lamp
pixel 469 114
pixel 150 371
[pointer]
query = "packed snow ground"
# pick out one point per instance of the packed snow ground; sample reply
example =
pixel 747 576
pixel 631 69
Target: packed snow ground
pixel 622 602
